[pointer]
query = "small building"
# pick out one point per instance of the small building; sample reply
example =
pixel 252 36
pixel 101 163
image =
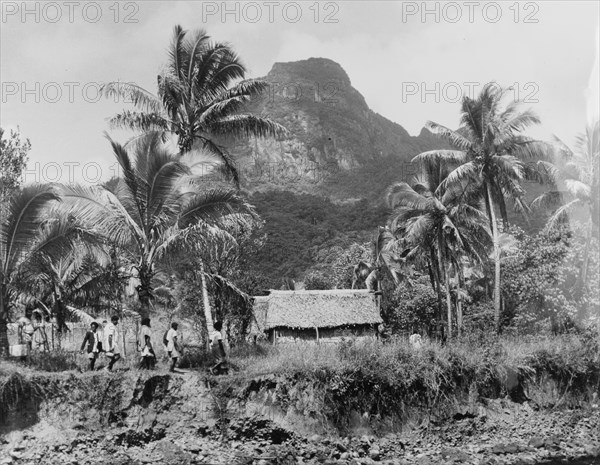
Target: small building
pixel 322 316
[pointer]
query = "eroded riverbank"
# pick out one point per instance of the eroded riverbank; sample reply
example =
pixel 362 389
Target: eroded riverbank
pixel 137 418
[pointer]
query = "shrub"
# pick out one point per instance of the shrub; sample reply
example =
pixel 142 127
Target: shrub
pixel 315 280
pixel 57 360
pixel 541 282
pixel 412 308
pixel 195 357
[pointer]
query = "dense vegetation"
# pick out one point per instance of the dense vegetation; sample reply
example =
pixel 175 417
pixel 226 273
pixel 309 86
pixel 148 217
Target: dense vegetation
pixel 299 228
pixel 438 236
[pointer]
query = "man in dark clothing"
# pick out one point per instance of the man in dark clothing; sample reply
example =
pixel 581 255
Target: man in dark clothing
pixel 93 344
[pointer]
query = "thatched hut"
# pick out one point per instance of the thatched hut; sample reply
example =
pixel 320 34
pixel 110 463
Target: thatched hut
pixel 323 316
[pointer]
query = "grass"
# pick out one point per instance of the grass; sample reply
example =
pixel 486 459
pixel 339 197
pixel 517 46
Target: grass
pixel 563 355
pixel 377 378
pixel 568 352
pixel 374 377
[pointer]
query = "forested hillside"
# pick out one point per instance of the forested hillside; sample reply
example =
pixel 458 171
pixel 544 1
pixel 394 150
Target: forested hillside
pixel 299 226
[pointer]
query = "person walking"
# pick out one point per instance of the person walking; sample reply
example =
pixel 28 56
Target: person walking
pixel 111 334
pixel 40 338
pixel 218 350
pixel 173 345
pixel 145 343
pixel 25 335
pixel 92 341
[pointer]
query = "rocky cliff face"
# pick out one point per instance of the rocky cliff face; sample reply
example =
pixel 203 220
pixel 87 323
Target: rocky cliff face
pixel 332 130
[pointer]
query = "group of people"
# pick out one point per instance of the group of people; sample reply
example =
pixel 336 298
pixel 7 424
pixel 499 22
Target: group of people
pixel 108 342
pixel 32 334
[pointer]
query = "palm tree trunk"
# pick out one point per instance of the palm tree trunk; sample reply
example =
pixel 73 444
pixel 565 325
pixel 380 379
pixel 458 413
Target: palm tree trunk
pixel 3 322
pixel 448 299
pixel 586 256
pixel 438 285
pixel 460 286
pixel 444 264
pixel 60 313
pixel 431 277
pixel 496 242
pixel 144 290
pixel 206 301
pixel 503 214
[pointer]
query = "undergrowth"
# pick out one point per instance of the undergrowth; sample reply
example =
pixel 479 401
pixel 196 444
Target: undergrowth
pixel 372 378
pixel 377 379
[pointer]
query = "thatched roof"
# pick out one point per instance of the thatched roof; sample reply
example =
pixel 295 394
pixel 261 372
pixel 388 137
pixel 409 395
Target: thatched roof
pixel 316 309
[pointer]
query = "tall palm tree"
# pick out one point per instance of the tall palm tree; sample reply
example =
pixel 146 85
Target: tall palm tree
pixel 575 180
pixel 490 150
pixel 153 206
pixel 442 220
pixel 25 233
pixel 200 95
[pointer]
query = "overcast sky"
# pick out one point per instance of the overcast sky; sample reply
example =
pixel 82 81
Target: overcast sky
pixel 402 56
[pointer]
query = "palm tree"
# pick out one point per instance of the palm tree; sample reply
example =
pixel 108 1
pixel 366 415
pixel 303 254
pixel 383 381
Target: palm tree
pixel 25 233
pixel 577 183
pixel 211 258
pixel 200 95
pixel 67 283
pixel 154 205
pixel 385 260
pixel 490 150
pixel 442 220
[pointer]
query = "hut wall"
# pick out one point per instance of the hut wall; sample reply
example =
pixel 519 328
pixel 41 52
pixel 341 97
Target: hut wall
pixel 326 335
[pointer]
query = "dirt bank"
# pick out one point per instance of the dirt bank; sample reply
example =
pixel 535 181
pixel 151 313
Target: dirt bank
pixel 134 418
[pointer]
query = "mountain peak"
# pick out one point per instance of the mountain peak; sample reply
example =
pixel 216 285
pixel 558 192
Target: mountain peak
pixel 318 69
pixel 333 135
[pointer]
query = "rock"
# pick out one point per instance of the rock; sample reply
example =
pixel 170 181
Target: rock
pixel 592 451
pixel 341 447
pixel 193 448
pixel 374 453
pixel 536 442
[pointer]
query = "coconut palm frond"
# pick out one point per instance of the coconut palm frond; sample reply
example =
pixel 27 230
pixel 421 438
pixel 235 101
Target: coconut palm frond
pixel 102 210
pixel 81 314
pixel 130 92
pixel 578 189
pixel 456 139
pixel 247 126
pixel 212 206
pixel 440 156
pixel 20 224
pixel 561 214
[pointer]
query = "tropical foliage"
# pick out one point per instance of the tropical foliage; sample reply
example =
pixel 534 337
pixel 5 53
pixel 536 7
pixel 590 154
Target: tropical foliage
pixel 200 96
pixel 439 247
pixel 491 153
pixel 575 180
pixel 440 224
pixel 13 159
pixel 540 288
pixel 156 203
pixel 27 235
